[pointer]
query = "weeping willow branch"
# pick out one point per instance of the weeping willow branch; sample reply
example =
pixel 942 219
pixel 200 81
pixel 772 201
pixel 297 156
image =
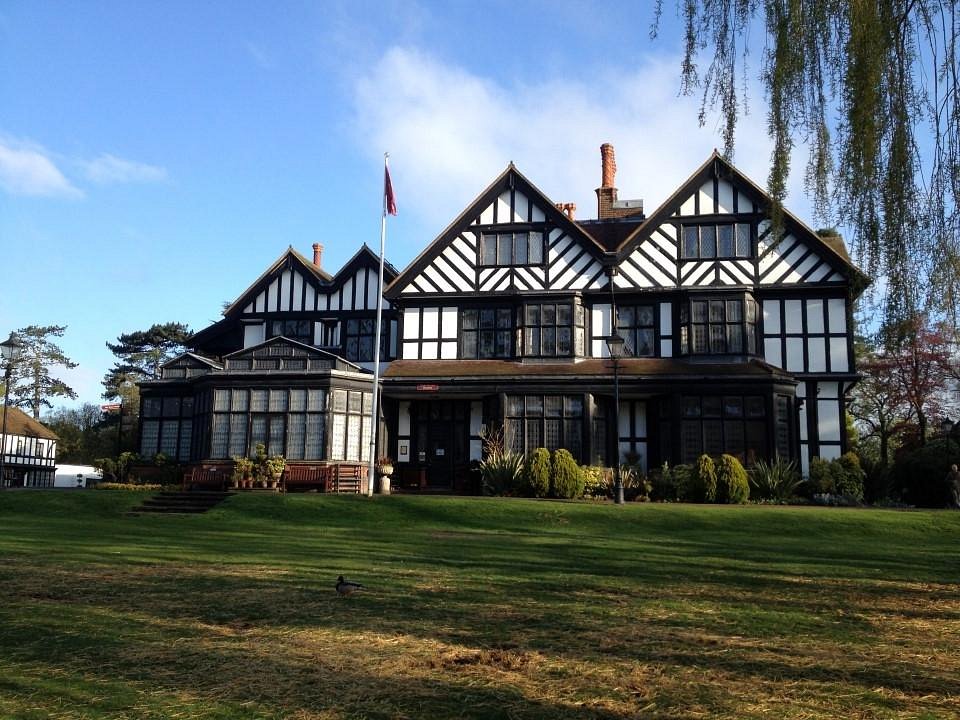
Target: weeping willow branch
pixel 871 88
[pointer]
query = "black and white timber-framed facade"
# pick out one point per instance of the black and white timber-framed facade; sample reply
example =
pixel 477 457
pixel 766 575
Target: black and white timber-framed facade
pixel 738 341
pixel 29 451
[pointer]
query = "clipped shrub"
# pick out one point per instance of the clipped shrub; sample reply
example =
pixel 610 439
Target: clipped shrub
pixel 663 484
pixel 597 480
pixel 848 476
pixel 732 484
pixel 778 480
pixel 537 473
pixel 684 478
pixel 567 478
pixel 821 477
pixel 706 480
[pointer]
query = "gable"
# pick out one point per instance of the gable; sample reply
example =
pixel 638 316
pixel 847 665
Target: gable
pixel 291 283
pixel 354 287
pixel 715 231
pixel 283 354
pixel 510 239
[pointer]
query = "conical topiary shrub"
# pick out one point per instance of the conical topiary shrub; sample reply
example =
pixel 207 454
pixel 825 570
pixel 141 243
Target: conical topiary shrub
pixel 733 486
pixel 567 477
pixel 706 479
pixel 538 473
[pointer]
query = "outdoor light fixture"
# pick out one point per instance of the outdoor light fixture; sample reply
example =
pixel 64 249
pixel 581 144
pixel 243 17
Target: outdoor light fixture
pixel 946 426
pixel 10 350
pixel 617 349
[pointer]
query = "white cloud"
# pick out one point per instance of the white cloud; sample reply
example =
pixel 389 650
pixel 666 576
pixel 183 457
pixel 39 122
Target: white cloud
pixel 450 132
pixel 27 169
pixel 109 169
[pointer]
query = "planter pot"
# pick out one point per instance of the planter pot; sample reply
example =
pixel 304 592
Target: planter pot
pixel 386 470
pixel 385 485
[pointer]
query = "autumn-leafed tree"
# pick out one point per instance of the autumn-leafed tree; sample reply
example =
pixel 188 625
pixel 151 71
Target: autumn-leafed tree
pixel 140 355
pixel 878 404
pixel 31 384
pixel 918 355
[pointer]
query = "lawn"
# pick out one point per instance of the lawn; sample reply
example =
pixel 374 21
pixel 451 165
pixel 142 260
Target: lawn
pixel 475 608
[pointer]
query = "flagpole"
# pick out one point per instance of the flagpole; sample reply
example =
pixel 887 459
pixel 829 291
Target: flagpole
pixel 374 412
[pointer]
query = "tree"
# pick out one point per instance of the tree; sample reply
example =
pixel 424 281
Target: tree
pixel 918 354
pixel 31 384
pixel 140 355
pixel 84 433
pixel 877 404
pixel 888 166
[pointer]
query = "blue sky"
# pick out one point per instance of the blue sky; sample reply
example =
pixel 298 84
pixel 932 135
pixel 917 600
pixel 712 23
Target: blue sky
pixel 155 158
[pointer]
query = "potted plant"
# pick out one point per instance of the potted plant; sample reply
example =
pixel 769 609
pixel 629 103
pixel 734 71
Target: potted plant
pixel 275 466
pixel 385 466
pixel 260 471
pixel 242 471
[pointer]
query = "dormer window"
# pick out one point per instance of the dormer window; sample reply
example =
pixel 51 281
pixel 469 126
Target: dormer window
pixel 504 249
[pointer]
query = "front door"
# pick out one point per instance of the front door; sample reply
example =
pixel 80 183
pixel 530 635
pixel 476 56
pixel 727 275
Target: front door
pixel 442 439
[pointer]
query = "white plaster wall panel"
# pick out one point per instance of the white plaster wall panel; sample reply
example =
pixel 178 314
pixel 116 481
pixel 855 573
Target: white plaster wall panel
pixel 572 274
pixel 783 271
pixel 248 308
pixel 410 350
pixel 298 293
pixel 253 334
pixel 494 279
pixel 323 302
pixel 448 323
pixel 640 419
pixel 771 317
pixel 816 354
pixel 530 278
pixel 733 273
pixel 666 348
pixel 829 390
pixel 335 300
pixel 804 267
pixel 284 292
pixel 318 334
pixel 839 362
pixel 815 316
pixel 772 351
pixel 428 350
pixel 411 323
pixel 793 314
pixel 456 270
pixel 836 307
pixel 696 274
pixel 599 326
pixel 688 206
pixel 310 299
pixel 346 295
pixel 430 323
pixel 437 279
pixel 555 251
pixel 583 275
pixel 706 197
pixel 448 351
pixel 273 297
pixel 828 417
pixel 795 354
pixel 666 318
pixel 373 284
pixel 538 215
pixel 520 207
pixel 503 208
pixel 725 193
pixel 486 217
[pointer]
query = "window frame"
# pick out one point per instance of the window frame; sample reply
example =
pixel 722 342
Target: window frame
pixel 712 249
pixel 496 257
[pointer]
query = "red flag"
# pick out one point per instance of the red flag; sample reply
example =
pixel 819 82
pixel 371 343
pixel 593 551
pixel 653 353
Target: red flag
pixel 391 201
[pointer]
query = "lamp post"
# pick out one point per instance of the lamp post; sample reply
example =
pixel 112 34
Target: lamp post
pixel 947 427
pixel 617 348
pixel 10 350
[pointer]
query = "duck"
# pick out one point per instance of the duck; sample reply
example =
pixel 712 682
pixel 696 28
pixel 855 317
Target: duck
pixel 345 587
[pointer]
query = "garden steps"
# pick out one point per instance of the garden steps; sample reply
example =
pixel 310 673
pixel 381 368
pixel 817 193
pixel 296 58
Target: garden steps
pixel 193 502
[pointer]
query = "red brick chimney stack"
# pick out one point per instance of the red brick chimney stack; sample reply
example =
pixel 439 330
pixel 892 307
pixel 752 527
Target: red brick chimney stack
pixel 608 165
pixel 606 193
pixel 317 254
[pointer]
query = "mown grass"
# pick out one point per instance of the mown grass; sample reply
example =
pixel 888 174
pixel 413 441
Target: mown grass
pixel 476 608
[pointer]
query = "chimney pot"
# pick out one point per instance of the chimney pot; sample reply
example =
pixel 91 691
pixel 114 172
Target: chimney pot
pixel 317 254
pixel 571 210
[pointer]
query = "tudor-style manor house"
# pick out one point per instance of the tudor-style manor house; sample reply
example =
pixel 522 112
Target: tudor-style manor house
pixel 737 340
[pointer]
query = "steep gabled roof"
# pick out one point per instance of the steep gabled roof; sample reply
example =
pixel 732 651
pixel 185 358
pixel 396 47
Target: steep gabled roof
pixel 19 423
pixel 510 178
pixel 364 257
pixel 716 165
pixel 289 258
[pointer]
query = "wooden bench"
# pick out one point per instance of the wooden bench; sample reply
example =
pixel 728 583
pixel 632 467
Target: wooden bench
pixel 206 478
pixel 305 478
